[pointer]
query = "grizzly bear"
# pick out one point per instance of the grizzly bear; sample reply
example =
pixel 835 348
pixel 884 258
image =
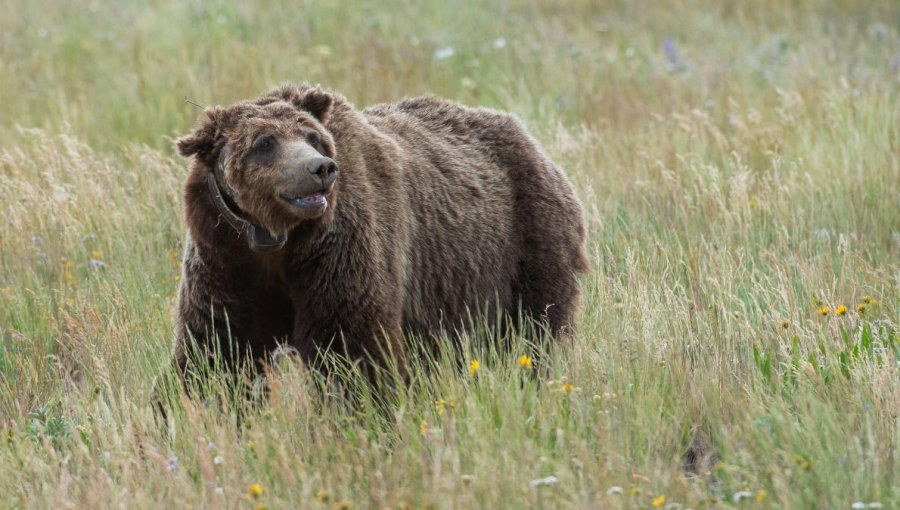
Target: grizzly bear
pixel 318 226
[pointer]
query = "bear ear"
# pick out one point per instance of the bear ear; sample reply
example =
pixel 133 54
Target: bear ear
pixel 316 101
pixel 203 140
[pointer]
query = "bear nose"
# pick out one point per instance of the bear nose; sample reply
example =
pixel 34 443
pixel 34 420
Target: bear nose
pixel 323 168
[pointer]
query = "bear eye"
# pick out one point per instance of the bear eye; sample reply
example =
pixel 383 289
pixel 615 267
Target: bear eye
pixel 264 143
pixel 314 139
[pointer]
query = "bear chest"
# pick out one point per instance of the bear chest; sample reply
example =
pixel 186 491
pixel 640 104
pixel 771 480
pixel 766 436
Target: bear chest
pixel 271 268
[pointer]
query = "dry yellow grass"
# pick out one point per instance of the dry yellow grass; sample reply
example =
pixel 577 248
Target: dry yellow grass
pixel 739 163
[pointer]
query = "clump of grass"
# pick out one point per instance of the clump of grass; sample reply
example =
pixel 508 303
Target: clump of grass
pixel 738 340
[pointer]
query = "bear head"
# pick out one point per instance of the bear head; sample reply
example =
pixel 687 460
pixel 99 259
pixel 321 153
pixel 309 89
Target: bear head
pixel 272 157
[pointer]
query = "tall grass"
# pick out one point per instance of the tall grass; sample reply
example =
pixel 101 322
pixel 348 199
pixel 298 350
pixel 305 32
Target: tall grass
pixel 739 164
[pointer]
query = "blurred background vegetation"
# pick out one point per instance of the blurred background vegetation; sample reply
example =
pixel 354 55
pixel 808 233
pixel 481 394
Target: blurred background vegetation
pixel 118 72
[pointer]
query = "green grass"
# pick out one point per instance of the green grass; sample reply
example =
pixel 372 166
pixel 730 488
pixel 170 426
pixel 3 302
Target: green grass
pixel 732 188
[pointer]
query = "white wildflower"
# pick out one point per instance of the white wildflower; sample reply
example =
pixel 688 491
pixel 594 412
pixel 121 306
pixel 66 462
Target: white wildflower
pixel 548 480
pixel 738 496
pixel 444 53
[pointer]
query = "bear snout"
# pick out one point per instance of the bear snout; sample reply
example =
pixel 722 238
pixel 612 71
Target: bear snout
pixel 315 175
pixel 324 169
pixel 306 186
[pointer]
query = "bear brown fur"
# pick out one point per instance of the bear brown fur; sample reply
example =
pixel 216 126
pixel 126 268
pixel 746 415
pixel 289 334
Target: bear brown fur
pixel 432 210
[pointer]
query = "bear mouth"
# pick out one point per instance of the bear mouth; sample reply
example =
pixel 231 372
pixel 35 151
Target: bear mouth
pixel 316 200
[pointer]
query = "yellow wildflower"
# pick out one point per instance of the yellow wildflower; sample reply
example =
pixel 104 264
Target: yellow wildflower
pixel 259 506
pixel 67 266
pixel 564 385
pixel 841 310
pixel 525 361
pixel 760 496
pixel 255 490
pixel 803 462
pixel 443 405
pixel 861 308
pixel 659 500
pixel 96 254
pixel 423 428
pixel 474 365
pixel 785 324
pixel 322 496
pixel 823 311
pixel 343 505
pixel 867 300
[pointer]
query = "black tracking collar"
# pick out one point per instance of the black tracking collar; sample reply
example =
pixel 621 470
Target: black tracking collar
pixel 259 239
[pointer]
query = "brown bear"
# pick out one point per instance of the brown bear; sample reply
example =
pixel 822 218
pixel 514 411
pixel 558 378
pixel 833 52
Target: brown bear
pixel 319 226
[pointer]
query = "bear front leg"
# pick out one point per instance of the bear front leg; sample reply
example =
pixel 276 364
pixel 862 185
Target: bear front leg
pixel 370 336
pixel 215 322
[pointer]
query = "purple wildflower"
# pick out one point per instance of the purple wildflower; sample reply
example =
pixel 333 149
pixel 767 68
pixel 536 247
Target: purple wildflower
pixel 676 63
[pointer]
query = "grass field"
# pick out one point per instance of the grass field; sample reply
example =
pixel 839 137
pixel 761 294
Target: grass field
pixel 739 164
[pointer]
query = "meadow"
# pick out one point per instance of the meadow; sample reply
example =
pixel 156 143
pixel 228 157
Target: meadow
pixel 737 344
